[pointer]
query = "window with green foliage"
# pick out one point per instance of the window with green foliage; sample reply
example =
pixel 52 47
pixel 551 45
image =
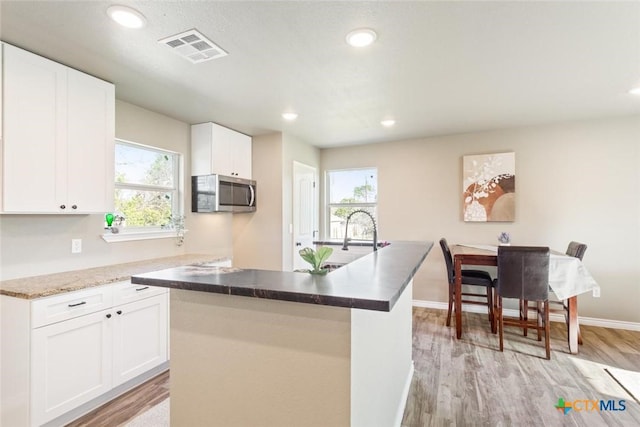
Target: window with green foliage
pixel 146 185
pixel 349 190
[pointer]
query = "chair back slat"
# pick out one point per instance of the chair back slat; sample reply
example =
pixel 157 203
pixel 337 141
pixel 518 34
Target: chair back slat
pixel 448 259
pixel 576 249
pixel 523 272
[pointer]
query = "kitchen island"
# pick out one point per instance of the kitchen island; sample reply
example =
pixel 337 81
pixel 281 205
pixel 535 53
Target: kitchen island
pixel 270 348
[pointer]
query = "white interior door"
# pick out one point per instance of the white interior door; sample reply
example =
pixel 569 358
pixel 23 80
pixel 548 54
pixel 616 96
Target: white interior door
pixel 305 218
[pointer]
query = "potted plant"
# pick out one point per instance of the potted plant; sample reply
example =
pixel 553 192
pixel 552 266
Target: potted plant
pixel 316 259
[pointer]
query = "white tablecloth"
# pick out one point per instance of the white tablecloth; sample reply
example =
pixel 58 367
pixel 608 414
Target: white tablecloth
pixel 567 275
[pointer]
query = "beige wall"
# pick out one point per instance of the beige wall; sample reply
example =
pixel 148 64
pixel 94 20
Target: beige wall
pixel 257 236
pixel 577 181
pixel 40 244
pixel 262 239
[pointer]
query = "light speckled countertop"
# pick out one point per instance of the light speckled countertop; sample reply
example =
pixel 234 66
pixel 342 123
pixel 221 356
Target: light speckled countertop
pixel 51 284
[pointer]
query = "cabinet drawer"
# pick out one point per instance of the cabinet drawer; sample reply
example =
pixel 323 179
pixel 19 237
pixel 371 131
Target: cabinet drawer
pixel 126 292
pixel 46 311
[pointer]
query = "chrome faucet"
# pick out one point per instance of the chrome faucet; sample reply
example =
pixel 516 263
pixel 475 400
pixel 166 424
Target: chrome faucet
pixel 375 230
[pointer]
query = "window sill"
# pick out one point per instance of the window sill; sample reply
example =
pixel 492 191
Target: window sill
pixel 127 236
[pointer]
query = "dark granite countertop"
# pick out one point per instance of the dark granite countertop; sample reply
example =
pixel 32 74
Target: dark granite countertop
pixel 373 282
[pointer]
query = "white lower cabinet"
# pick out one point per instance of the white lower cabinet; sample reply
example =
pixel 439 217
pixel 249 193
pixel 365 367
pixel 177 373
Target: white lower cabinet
pixel 80 345
pixel 71 364
pixel 139 338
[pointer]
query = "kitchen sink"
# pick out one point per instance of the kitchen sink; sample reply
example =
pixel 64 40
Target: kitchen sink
pixel 333 265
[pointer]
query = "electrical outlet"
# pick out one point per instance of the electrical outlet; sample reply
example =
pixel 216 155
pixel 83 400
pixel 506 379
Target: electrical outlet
pixel 596 292
pixel 76 246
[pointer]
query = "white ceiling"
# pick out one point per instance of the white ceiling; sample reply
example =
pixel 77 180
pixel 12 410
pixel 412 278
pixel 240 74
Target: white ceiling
pixel 437 67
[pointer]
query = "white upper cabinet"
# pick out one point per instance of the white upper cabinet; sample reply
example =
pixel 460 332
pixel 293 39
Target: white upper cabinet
pixel 217 149
pixel 33 106
pixel 1 96
pixel 90 143
pixel 241 155
pixel 58 141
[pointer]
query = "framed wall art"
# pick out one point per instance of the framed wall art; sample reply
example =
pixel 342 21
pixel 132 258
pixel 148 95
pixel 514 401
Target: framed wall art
pixel 489 187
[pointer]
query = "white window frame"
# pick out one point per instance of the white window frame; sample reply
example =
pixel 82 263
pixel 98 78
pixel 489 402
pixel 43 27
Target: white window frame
pixel 129 233
pixel 358 205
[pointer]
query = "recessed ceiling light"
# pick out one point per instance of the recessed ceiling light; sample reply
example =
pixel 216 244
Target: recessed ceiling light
pixel 290 116
pixel 126 16
pixel 361 37
pixel 635 91
pixel 388 123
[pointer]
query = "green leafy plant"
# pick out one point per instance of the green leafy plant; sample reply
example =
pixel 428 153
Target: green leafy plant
pixel 316 258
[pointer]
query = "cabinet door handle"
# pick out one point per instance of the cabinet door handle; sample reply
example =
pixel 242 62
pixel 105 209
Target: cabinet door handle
pixel 63 207
pixel 119 311
pixel 141 289
pixel 77 304
pixel 74 207
pixel 108 316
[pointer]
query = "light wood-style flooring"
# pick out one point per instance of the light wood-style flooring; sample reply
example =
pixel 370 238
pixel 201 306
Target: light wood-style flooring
pixel 129 405
pixel 468 382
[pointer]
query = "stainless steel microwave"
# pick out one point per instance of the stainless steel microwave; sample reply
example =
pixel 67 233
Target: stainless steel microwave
pixel 219 193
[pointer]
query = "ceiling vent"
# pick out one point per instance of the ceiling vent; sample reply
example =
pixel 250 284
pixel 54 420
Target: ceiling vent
pixel 193 46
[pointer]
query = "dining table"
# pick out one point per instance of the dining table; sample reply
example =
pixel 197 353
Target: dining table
pixel 568 278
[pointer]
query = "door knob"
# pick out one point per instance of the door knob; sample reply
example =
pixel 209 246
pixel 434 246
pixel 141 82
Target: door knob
pixel 298 244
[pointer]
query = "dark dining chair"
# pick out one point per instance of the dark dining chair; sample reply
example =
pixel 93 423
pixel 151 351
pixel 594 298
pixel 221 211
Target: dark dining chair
pixel 523 274
pixel 477 278
pixel 577 250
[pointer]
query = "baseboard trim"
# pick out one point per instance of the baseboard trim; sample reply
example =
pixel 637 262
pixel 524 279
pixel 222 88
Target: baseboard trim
pixel 87 407
pixel 606 323
pixel 554 317
pixel 404 397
